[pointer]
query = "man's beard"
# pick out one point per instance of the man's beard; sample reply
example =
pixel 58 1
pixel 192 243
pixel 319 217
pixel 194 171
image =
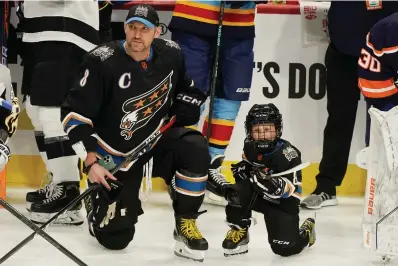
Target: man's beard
pixel 140 48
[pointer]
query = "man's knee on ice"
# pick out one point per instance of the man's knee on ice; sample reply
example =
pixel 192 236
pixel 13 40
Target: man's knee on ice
pixel 115 240
pixel 113 223
pixel 285 248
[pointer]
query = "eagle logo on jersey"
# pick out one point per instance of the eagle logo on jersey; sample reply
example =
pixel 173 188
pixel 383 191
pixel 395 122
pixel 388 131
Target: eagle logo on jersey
pixel 140 109
pixel 290 153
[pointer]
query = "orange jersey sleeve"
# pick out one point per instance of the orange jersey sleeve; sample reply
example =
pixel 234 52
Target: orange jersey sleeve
pixel 378 62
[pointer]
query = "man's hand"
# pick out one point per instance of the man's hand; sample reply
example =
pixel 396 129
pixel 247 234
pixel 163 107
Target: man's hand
pixel 97 174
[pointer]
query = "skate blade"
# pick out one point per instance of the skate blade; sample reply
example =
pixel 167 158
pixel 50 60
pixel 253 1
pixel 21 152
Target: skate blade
pixel 28 206
pixel 213 199
pixel 181 250
pixel 68 218
pixel 237 251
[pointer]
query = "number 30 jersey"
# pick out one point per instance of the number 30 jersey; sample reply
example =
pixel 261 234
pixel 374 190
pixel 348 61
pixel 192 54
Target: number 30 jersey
pixel 378 62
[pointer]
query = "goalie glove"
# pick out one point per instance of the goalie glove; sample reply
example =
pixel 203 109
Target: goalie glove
pixel 273 188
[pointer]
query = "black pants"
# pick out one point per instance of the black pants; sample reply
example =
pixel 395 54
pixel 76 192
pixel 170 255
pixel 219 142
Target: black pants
pixel 181 158
pixel 282 220
pixel 49 71
pixel 343 95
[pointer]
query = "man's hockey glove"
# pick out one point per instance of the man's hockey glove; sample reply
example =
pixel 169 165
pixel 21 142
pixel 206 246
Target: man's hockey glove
pixel 186 107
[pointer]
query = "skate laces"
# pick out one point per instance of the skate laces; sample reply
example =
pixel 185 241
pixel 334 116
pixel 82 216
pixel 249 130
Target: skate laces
pixel 190 229
pixel 54 192
pixel 308 225
pixel 236 233
pixel 217 176
pixel 48 179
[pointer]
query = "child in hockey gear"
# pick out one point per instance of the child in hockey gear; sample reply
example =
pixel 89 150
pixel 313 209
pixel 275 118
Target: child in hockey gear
pixel 121 96
pixel 277 197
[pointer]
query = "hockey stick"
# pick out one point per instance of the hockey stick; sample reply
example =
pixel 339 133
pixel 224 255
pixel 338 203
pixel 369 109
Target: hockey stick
pixel 39 231
pixel 138 151
pixel 215 72
pixel 291 170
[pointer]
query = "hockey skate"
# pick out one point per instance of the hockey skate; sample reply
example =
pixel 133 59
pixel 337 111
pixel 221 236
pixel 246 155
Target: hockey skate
pixel 61 195
pixel 307 229
pixel 41 194
pixel 216 175
pixel 190 243
pixel 236 241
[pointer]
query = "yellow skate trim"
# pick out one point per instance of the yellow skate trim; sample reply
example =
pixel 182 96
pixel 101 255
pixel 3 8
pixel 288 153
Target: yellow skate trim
pixel 308 227
pixel 190 229
pixel 236 235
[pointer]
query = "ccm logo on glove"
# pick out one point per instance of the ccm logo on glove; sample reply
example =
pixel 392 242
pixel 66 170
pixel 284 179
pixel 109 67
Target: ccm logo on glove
pixel 189 99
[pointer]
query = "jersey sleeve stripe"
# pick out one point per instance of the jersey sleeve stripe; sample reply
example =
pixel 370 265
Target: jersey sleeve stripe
pixel 387 50
pixel 75 119
pixel 377 88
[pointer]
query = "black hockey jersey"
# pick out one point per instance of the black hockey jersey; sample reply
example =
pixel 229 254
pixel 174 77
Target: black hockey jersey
pixel 120 101
pixel 378 64
pixel 284 157
pixel 71 21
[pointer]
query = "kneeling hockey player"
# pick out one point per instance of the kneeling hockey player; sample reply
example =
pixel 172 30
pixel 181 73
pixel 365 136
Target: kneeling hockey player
pixel 123 92
pixel 277 197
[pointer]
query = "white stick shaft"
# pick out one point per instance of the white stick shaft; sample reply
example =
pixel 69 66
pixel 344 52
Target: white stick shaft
pixel 292 170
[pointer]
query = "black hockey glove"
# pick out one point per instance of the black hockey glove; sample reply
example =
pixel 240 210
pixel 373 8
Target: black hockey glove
pixel 186 107
pixel 241 171
pixel 271 188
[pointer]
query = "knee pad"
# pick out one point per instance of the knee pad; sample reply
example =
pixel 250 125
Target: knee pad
pixel 33 113
pixel 50 119
pixel 193 143
pixel 115 240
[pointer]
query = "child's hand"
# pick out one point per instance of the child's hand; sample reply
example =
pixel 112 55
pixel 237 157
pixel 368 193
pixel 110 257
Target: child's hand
pixel 241 171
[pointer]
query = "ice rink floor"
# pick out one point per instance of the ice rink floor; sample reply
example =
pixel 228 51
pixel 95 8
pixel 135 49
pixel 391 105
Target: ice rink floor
pixel 338 240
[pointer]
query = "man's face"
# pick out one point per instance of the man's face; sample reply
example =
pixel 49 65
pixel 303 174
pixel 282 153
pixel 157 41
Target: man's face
pixel 139 37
